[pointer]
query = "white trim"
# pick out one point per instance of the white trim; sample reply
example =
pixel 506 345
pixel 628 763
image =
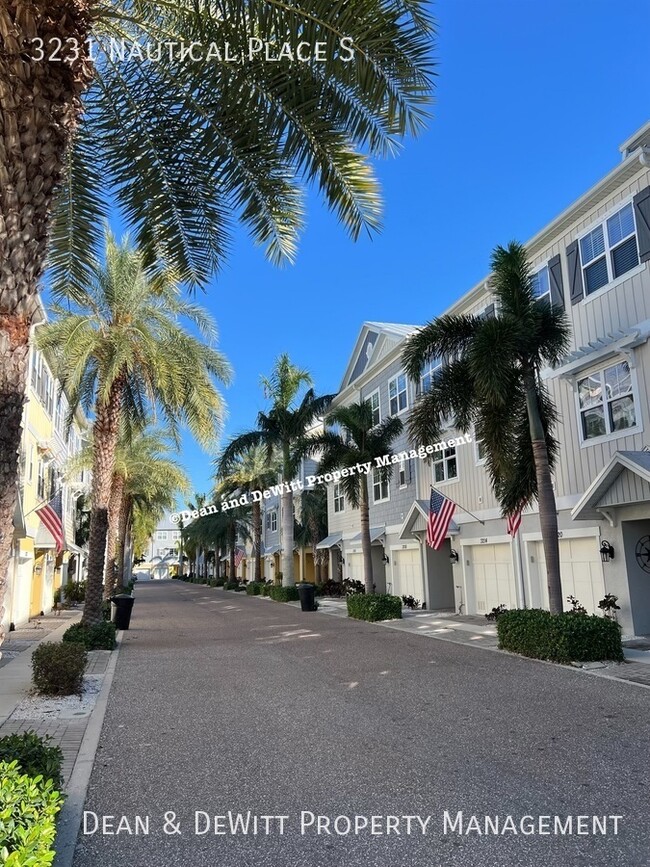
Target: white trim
pixel 485 540
pixel 613 284
pixel 607 253
pixel 406 391
pixel 587 532
pixel 376 391
pixel 381 482
pixel 340 497
pixel 612 435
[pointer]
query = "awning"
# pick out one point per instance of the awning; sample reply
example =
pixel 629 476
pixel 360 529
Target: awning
pixel 272 549
pixel 375 534
pixel 416 521
pixel 624 481
pixel 611 345
pixel 329 541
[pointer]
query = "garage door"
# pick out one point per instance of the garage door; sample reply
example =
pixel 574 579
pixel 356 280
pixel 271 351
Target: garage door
pixel 407 574
pixel 353 567
pixel 581 572
pixel 490 577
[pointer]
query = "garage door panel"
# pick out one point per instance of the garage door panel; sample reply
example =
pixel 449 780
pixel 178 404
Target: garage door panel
pixel 407 574
pixel 581 572
pixel 490 577
pixel 353 567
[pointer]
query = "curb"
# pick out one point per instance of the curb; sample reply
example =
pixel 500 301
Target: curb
pixel 69 821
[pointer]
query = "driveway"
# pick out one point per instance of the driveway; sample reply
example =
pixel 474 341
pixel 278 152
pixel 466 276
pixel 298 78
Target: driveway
pixel 223 702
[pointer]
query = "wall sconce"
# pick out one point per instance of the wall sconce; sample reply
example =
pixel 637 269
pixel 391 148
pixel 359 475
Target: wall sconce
pixel 606 551
pixel 453 556
pixel 385 559
pixel 343 560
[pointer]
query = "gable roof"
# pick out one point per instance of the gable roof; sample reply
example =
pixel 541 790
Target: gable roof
pixel 607 489
pixel 375 341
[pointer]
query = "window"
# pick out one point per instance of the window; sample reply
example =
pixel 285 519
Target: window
pixel 606 401
pixel 397 394
pixel 374 405
pixel 481 452
pixel 429 372
pixel 445 466
pixel 541 285
pixel 380 490
pixel 40 488
pixel 30 472
pixel 404 473
pixel 162 535
pixel 339 499
pixel 36 359
pixel 609 250
pixel 272 521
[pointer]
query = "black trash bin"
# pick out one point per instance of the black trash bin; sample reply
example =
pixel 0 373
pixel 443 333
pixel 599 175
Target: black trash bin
pixel 307 595
pixel 123 603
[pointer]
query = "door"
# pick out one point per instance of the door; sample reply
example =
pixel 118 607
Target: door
pixel 353 567
pixel 491 578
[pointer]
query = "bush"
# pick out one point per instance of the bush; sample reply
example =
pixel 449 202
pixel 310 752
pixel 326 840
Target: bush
pixel 219 582
pixel 380 606
pixel 98 637
pixel 254 588
pixel 58 668
pixel 566 637
pixel 34 756
pixel 352 587
pixel 284 594
pixel 231 585
pixel 410 602
pixel 495 613
pixel 28 810
pixel 75 592
pixel 332 588
pixel 266 588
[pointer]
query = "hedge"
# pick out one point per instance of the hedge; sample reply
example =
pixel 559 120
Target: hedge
pixel 34 755
pixel 58 667
pixel 254 588
pixel 101 636
pixel 284 594
pixel 566 637
pixel 28 810
pixel 379 606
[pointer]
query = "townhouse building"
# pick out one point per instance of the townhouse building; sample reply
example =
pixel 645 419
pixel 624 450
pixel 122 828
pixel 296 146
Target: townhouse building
pixel 162 551
pixel 37 568
pixel 592 261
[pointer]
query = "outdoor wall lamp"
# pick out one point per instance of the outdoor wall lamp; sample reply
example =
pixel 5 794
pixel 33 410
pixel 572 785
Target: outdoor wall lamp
pixel 385 559
pixel 342 559
pixel 453 556
pixel 606 551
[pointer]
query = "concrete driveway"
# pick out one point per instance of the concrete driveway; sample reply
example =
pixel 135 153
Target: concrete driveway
pixel 223 702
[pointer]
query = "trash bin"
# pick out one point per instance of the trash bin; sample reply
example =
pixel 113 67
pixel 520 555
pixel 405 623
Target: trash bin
pixel 123 603
pixel 307 595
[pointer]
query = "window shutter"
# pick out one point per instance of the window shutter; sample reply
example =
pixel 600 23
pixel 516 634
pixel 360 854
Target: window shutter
pixel 557 284
pixel 642 213
pixel 575 272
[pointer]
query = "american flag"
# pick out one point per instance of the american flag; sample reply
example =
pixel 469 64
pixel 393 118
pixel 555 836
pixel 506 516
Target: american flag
pixel 239 556
pixel 441 511
pixel 51 514
pixel 512 523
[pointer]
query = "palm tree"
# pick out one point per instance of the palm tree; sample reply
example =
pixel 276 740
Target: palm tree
pixel 168 144
pixel 122 350
pixel 251 471
pixel 283 430
pixel 357 441
pixel 492 383
pixel 221 529
pixel 312 526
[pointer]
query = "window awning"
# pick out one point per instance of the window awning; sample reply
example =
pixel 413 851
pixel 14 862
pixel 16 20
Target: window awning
pixel 329 541
pixel 624 481
pixel 612 344
pixel 376 533
pixel 272 549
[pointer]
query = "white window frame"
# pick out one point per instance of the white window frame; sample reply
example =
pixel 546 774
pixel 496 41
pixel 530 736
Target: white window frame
pixel 162 535
pixel 339 499
pixel 442 458
pixel 376 393
pixel 395 379
pixel 610 435
pixel 535 274
pixel 404 472
pixel 602 221
pixel 378 482
pixel 272 521
pixel 428 370
pixel 478 460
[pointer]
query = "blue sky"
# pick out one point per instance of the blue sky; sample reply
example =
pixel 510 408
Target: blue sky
pixel 533 98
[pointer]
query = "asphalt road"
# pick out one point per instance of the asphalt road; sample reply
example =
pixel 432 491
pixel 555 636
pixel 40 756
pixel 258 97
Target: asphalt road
pixel 227 703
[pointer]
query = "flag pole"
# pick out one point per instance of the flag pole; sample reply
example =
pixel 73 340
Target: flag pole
pixel 467 512
pixel 44 503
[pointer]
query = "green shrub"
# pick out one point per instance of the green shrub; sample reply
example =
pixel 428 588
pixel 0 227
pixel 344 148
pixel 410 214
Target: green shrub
pixel 28 810
pixel 254 588
pixel 57 595
pixel 266 588
pixel 232 585
pixel 219 582
pixel 566 637
pixel 379 606
pixel 284 594
pixel 58 668
pixel 98 637
pixel 75 592
pixel 34 756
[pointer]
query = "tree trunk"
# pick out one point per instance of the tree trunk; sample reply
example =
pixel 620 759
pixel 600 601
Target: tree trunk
pixel 105 436
pixel 288 579
pixel 364 515
pixel 122 534
pixel 545 498
pixel 114 519
pixel 257 541
pixel 217 563
pixel 40 103
pixel 232 542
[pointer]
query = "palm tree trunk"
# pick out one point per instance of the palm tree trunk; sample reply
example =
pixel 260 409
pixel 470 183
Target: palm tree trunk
pixel 40 103
pixel 257 541
pixel 364 515
pixel 217 563
pixel 122 534
pixel 232 542
pixel 114 517
pixel 545 498
pixel 286 502
pixel 105 435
